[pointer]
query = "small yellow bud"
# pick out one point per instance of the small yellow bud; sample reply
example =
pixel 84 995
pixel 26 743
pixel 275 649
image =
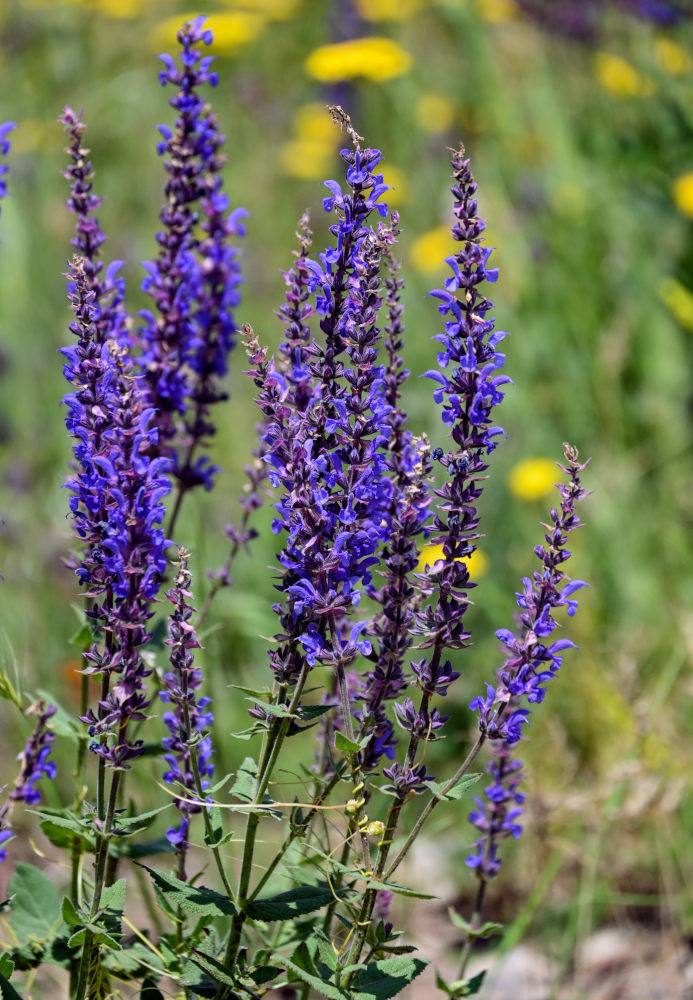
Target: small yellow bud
pixel 352 806
pixel 376 828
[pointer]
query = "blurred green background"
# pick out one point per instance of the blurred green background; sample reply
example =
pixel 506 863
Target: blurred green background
pixel 584 158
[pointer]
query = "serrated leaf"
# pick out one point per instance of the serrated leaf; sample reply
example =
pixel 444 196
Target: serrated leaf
pixel 387 978
pixel 455 793
pixel 197 899
pixel 113 896
pixel 61 826
pixel 7 990
pixel 126 826
pixel 293 903
pixel 302 965
pixel 36 907
pixel 197 981
pixel 243 787
pixel 278 711
pixel 213 967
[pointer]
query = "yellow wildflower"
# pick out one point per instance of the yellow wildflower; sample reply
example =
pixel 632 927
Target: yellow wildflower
pixel 231 31
pixel 496 11
pixel 309 159
pixel 434 112
pixel 683 194
pixel 398 186
pixel 428 251
pixel 621 78
pixel 533 478
pixel 679 301
pixel 373 58
pixel 388 10
pixel 312 121
pixel 477 562
pixel 672 58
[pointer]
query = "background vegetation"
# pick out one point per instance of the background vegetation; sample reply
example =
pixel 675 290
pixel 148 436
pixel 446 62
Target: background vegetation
pixel 584 158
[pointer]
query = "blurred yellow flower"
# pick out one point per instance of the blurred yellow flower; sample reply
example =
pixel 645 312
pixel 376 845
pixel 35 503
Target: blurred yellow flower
pixel 109 8
pixel 428 251
pixel 683 194
pixel 273 10
pixel 672 58
pixel 373 58
pixel 388 10
pixel 393 176
pixel 533 478
pixel 313 121
pixel 429 555
pixel 496 11
pixel 679 301
pixel 434 112
pixel 309 159
pixel 231 31
pixel 620 77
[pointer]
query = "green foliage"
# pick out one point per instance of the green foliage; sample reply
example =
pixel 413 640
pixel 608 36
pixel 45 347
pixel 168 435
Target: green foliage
pixel 195 899
pixel 36 909
pixel 293 903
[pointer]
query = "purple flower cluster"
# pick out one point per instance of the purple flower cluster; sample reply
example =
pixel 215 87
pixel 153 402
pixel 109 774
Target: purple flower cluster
pixel 532 661
pixel 35 765
pixel 110 318
pixel 468 388
pixel 117 507
pixel 194 280
pixel 189 715
pixel 581 19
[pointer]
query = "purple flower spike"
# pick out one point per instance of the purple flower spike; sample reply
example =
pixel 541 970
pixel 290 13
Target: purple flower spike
pixel 5 130
pixel 194 280
pixel 190 715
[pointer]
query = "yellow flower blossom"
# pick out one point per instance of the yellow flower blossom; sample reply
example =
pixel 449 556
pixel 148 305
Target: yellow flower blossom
pixel 477 562
pixel 373 58
pixel 231 31
pixel 428 251
pixel 620 77
pixel 273 10
pixel 434 113
pixel 388 10
pixel 679 301
pixel 393 176
pixel 672 58
pixel 533 478
pixel 109 8
pixel 308 159
pixel 683 194
pixel 313 121
pixel 496 11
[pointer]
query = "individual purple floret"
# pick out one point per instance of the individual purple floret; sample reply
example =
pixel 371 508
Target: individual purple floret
pixel 5 130
pixel 35 765
pixel 109 289
pixel 188 749
pixel 531 663
pixel 194 280
pixel 117 505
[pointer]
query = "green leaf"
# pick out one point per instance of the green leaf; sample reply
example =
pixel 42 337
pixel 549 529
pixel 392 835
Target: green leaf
pixel 7 990
pixel 6 965
pixel 63 722
pixel 126 826
pixel 215 837
pixel 197 899
pixel 487 930
pixel 197 981
pixel 320 978
pixel 113 896
pixel 461 987
pixel 278 711
pixel 455 793
pixel 150 991
pixel 61 826
pixel 70 915
pixel 387 978
pixel 293 903
pixel 213 967
pixel 8 691
pixel 145 849
pixel 265 974
pixel 36 907
pixel 347 746
pixel 243 787
pixel 400 890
